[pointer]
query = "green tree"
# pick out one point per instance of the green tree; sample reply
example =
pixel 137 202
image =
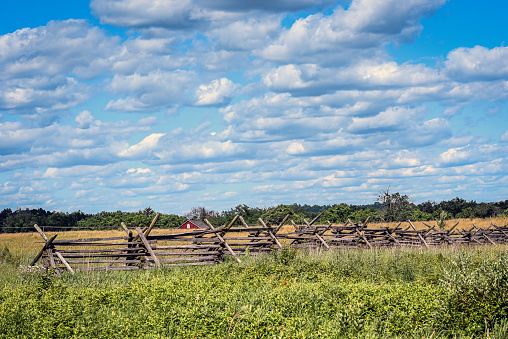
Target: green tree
pixel 275 215
pixel 466 213
pixel 418 215
pixel 397 207
pixel 484 210
pixel 338 213
pixel 169 221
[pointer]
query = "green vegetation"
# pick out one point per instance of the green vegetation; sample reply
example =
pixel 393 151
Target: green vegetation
pixel 23 220
pixel 383 293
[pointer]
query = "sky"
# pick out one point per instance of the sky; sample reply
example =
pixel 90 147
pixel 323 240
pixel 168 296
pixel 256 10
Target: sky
pixel 112 105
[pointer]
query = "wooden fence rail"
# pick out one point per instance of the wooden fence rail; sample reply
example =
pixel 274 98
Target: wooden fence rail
pixel 139 249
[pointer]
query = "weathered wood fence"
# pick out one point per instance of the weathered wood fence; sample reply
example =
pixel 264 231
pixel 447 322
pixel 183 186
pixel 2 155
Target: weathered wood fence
pixel 139 249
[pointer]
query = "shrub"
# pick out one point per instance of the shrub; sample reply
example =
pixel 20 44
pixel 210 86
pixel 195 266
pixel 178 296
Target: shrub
pixel 6 257
pixel 478 293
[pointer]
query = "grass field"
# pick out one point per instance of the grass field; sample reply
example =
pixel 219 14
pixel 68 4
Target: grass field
pixel 448 292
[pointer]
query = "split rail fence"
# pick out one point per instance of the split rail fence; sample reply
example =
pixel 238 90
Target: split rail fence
pixel 139 249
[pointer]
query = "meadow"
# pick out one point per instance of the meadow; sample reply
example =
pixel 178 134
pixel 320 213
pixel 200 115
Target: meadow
pixel 445 292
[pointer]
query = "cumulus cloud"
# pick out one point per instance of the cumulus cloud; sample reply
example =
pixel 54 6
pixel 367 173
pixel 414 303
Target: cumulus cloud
pixel 139 171
pixel 42 99
pixel 149 92
pixel 390 17
pixel 312 79
pixel 144 148
pixel 429 132
pixel 247 34
pixel 100 142
pixel 188 14
pixel 278 117
pixel 173 14
pixel 84 119
pixel 350 34
pixel 147 53
pixel 208 151
pixel 14 139
pixel 393 119
pixel 295 148
pixel 244 102
pixel 477 63
pixel 58 48
pixel 471 154
pixel 43 68
pixel 218 92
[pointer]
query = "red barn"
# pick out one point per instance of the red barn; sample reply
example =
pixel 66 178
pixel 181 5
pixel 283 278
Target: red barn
pixel 189 224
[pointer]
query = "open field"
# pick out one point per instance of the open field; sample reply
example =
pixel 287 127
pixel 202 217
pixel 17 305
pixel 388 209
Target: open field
pixel 441 292
pixel 28 244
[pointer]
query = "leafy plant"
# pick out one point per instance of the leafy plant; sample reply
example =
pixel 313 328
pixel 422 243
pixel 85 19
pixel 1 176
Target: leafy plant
pixel 478 293
pixel 441 222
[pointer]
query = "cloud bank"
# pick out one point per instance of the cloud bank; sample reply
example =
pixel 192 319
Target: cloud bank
pixel 219 103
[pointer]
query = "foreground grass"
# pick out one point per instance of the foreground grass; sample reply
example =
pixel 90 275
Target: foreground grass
pixel 406 293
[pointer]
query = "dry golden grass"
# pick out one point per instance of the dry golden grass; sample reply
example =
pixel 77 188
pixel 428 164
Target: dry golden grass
pixel 463 223
pixel 30 243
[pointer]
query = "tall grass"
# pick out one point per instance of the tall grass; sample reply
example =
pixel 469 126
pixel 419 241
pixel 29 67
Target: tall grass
pixel 380 293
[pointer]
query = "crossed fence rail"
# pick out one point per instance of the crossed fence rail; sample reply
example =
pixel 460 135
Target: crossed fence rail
pixel 139 249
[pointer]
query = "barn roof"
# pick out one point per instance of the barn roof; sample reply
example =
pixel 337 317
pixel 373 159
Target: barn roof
pixel 198 223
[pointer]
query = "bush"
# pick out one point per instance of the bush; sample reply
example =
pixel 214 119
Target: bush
pixel 478 293
pixel 404 293
pixel 6 257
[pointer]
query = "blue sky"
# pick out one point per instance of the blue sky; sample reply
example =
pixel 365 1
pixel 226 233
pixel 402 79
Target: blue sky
pixel 123 104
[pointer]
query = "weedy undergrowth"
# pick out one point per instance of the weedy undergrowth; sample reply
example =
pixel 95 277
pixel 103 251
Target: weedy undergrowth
pixel 477 299
pixel 381 293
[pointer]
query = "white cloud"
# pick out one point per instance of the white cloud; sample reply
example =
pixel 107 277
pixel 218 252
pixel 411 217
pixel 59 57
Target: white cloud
pixel 139 171
pixel 455 155
pixel 42 99
pixel 210 151
pixel 295 148
pixel 504 137
pixel 471 154
pixel 153 91
pixel 43 69
pixel 146 53
pixel 58 48
pixel 15 139
pixel 42 147
pixel 144 149
pixel 311 111
pixel 176 14
pixel 312 79
pixel 218 92
pixel 248 35
pixel 391 16
pixel 187 14
pixel 350 34
pixel 477 63
pixel 451 111
pixel 84 119
pixel 393 119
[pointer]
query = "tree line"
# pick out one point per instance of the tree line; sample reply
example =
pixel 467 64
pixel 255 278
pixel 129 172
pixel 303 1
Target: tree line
pixel 388 207
pixel 22 220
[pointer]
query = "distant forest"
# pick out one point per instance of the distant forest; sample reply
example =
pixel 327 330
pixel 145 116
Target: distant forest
pixel 388 207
